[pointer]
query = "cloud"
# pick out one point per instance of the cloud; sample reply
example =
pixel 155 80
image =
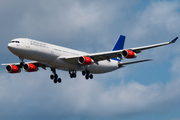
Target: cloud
pixel 66 19
pixel 159 17
pixel 175 119
pixel 176 66
pixel 90 27
pixel 157 23
pixel 24 94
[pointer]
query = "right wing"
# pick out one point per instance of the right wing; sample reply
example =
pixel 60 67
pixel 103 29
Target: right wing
pixel 113 54
pixel 118 53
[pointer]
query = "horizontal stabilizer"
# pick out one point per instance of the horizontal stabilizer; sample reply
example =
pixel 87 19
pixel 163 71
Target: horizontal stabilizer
pixel 126 63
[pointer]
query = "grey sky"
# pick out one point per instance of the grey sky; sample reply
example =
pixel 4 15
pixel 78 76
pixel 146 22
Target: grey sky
pixel 92 26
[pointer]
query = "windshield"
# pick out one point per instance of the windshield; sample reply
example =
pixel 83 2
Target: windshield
pixel 15 42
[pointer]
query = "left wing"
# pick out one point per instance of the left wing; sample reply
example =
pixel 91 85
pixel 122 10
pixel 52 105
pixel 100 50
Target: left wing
pixel 114 54
pixel 38 64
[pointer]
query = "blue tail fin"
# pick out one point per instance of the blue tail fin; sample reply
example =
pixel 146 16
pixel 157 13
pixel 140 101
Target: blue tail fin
pixel 119 45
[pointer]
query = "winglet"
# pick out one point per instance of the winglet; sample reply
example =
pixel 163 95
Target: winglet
pixel 173 41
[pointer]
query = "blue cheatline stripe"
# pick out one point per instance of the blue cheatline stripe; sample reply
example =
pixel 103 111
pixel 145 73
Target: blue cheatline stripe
pixel 116 59
pixel 119 45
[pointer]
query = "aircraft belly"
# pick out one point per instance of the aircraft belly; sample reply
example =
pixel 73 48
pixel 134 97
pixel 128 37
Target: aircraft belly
pixel 103 67
pixel 62 65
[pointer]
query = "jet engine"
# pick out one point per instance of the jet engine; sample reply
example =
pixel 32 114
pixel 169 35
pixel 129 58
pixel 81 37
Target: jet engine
pixel 30 67
pixel 85 60
pixel 13 69
pixel 129 54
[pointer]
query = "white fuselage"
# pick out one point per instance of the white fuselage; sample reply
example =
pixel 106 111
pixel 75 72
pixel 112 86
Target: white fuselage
pixel 51 55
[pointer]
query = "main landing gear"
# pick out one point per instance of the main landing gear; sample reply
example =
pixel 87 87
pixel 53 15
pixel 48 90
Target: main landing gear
pixel 55 76
pixel 72 74
pixel 87 74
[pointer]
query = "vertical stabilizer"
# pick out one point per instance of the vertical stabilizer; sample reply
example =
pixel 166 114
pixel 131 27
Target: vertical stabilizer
pixel 119 45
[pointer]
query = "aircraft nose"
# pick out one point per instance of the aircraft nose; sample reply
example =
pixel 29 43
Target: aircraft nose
pixel 10 46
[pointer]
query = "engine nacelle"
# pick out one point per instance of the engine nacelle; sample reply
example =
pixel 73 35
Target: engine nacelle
pixel 13 69
pixel 129 54
pixel 85 60
pixel 30 67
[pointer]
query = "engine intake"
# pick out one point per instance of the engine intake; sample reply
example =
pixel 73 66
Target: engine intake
pixel 13 69
pixel 30 67
pixel 85 60
pixel 129 54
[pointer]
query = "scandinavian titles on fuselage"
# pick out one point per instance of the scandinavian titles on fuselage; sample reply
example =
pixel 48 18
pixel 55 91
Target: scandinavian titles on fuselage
pixel 36 43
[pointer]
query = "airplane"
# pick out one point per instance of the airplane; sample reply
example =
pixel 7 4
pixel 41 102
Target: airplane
pixel 56 57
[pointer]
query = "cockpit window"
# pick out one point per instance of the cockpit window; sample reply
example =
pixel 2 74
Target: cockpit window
pixel 15 42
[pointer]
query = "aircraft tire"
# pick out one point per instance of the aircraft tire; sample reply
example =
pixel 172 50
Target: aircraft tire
pixel 74 75
pixel 56 76
pixel 52 77
pixel 59 80
pixel 83 73
pixel 87 77
pixel 71 75
pixel 55 80
pixel 91 76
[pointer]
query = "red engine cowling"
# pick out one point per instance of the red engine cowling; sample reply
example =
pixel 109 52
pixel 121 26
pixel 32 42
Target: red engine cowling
pixel 30 67
pixel 129 54
pixel 12 69
pixel 85 60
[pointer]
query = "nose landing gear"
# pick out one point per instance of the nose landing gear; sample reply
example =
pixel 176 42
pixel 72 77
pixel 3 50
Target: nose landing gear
pixel 22 62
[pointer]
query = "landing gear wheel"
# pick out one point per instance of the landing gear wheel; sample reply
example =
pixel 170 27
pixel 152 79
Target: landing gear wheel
pixel 21 64
pixel 59 80
pixel 55 80
pixel 52 77
pixel 87 77
pixel 56 76
pixel 71 75
pixel 74 75
pixel 91 76
pixel 83 73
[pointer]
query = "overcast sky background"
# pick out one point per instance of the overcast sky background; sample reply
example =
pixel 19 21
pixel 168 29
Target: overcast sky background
pixel 148 90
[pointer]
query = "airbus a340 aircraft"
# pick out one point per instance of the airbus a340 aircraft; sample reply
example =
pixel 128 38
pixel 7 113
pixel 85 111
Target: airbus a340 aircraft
pixel 56 57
